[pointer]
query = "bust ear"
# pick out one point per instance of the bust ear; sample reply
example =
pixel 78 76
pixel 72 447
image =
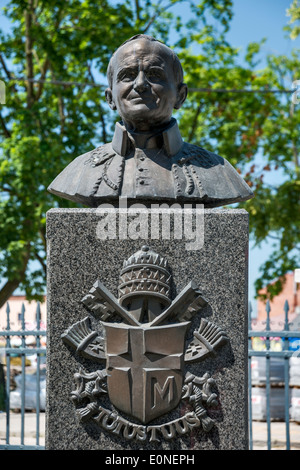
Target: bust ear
pixel 109 99
pixel 181 95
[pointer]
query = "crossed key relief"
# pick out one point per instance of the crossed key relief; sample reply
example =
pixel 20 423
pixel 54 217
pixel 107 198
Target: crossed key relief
pixel 140 343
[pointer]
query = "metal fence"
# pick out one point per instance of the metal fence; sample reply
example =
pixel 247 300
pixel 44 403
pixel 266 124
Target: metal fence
pixel 9 353
pixel 20 355
pixel 277 347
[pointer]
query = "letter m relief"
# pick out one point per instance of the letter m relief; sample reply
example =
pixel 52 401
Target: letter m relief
pixel 166 392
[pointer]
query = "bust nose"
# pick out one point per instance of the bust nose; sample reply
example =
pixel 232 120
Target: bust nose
pixel 141 82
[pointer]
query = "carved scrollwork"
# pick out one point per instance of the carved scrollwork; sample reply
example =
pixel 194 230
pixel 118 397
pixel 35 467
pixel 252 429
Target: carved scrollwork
pixel 89 387
pixel 145 353
pixel 198 391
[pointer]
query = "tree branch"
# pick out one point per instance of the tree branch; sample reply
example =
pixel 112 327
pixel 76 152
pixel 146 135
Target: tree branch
pixel 137 10
pixel 42 263
pixel 7 290
pixel 193 128
pixel 3 125
pixel 43 237
pixel 7 72
pixel 104 135
pixel 61 107
pixel 157 13
pixel 28 53
pixel 44 70
pixel 7 190
pixel 11 285
pixel 295 154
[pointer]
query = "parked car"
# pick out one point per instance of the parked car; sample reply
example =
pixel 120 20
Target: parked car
pixel 15 402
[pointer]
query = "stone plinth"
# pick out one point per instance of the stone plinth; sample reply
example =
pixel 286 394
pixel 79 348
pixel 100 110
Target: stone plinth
pixel 77 257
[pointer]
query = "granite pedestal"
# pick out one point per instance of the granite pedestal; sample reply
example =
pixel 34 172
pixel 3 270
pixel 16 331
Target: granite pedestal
pixel 77 257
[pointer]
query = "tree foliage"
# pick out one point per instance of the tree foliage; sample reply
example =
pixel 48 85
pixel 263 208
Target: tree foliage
pixel 259 134
pixel 294 13
pixel 46 124
pixel 63 48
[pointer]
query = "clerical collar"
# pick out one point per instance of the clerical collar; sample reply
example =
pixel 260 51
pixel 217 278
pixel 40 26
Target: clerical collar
pixel 169 138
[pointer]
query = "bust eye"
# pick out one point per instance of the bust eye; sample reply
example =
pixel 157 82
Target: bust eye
pixel 153 74
pixel 128 76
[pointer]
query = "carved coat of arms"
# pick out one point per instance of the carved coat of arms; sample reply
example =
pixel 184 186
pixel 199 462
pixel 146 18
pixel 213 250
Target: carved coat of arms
pixel 141 342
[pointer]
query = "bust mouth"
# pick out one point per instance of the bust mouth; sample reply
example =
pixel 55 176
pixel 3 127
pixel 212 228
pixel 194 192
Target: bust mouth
pixel 143 105
pixel 138 99
pixel 144 98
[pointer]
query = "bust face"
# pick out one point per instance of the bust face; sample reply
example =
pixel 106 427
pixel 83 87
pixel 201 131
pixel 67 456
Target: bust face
pixel 144 88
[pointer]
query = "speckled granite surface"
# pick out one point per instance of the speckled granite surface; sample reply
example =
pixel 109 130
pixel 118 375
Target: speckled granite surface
pixel 77 258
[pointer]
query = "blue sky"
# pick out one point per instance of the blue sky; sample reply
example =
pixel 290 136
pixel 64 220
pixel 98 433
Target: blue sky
pixel 255 19
pixel 252 21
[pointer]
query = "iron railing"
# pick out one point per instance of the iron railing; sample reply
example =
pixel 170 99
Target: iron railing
pixel 286 335
pixel 23 351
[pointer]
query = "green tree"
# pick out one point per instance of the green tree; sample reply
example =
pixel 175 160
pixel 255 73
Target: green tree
pixel 47 121
pixel 62 48
pixel 294 13
pixel 259 133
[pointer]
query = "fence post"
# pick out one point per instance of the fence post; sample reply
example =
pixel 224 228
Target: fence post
pixel 250 378
pixel 286 376
pixel 268 387
pixel 23 357
pixel 7 361
pixel 21 351
pixel 38 362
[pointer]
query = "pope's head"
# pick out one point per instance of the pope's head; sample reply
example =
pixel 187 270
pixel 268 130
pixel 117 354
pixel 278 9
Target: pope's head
pixel 145 83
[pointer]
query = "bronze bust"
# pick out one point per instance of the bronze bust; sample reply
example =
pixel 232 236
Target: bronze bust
pixel 147 160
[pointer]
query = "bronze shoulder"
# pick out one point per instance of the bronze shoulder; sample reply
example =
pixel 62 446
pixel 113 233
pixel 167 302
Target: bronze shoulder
pixel 100 155
pixel 190 153
pixel 205 176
